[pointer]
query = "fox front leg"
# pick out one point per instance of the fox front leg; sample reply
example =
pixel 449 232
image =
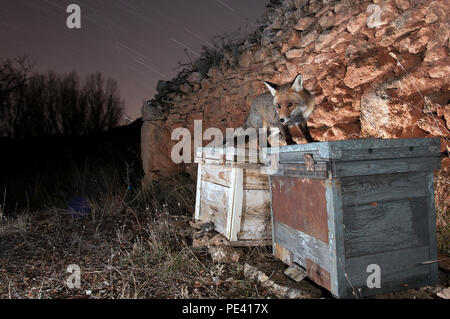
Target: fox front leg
pixel 303 127
pixel 287 135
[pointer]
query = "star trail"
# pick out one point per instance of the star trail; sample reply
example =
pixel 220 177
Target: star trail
pixel 136 42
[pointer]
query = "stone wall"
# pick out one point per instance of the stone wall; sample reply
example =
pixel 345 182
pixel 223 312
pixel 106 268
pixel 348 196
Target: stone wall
pixel 388 81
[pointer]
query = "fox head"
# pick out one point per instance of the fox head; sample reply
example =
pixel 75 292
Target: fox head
pixel 292 102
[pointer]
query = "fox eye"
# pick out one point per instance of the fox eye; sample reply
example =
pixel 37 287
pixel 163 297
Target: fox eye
pixel 290 105
pixel 279 106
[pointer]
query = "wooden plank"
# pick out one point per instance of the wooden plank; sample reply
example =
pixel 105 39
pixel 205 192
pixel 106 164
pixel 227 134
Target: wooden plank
pixel 301 166
pixel 256 204
pixel 297 157
pixel 199 192
pixel 255 221
pixel 251 243
pixel 400 269
pixel 301 204
pixel 253 179
pixel 214 205
pixel 301 174
pixel 337 149
pixel 272 219
pixel 302 246
pixel 336 236
pixel 379 188
pixel 220 175
pixel 236 208
pixel 388 153
pixel 243 155
pixel 319 275
pixel 230 205
pixel 228 215
pixel 385 226
pixel 387 166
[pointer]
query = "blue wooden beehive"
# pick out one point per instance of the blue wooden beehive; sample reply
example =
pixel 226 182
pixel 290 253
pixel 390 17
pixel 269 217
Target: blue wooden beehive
pixel 341 208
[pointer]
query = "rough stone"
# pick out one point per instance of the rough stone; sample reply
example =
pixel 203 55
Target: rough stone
pixel 269 274
pixel 367 68
pixel 366 82
pixel 304 23
pixel 294 53
pixel 194 78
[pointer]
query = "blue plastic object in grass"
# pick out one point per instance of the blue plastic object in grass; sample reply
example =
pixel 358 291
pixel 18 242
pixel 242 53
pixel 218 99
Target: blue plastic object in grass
pixel 79 208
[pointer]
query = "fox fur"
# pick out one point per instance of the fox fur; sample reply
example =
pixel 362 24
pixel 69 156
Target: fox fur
pixel 284 106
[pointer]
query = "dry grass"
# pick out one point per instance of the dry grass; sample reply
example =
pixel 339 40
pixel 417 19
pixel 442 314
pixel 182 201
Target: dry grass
pixel 135 243
pixel 443 231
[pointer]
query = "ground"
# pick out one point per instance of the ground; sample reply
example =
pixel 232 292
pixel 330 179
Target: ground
pixel 136 255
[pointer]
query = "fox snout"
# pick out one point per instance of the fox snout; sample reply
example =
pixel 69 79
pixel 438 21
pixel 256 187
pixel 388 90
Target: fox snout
pixel 284 121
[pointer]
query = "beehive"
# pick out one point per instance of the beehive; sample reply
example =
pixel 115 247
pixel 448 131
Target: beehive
pixel 234 195
pixel 341 208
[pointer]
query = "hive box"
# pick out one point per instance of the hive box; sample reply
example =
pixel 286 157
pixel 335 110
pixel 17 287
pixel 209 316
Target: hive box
pixel 233 194
pixel 359 215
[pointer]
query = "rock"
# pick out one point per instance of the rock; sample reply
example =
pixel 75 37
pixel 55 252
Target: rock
pixel 308 38
pixel 186 88
pixel 210 239
pixel 339 132
pixel 355 24
pixel 269 274
pixel 380 113
pixel 326 20
pixel 161 85
pixel 436 54
pixel 346 131
pixel 268 36
pixel 294 39
pixel 327 114
pixel 407 22
pixel 440 71
pixel 246 59
pixel 366 82
pixel 434 125
pixel 155 136
pixel 219 248
pixel 444 294
pixel 326 39
pixel 151 110
pixel 402 4
pixel 226 254
pixel 294 53
pixel 304 23
pixel 416 43
pixel 364 69
pixel 447 115
pixel 194 78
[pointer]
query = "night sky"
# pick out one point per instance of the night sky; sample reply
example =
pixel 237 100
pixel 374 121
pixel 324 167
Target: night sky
pixel 137 42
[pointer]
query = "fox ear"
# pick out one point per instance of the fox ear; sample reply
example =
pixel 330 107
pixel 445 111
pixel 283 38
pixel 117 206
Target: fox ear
pixel 273 88
pixel 297 85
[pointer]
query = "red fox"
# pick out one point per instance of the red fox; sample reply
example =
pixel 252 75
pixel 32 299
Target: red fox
pixel 285 106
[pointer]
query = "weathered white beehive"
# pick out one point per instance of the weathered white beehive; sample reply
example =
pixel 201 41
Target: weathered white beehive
pixel 233 194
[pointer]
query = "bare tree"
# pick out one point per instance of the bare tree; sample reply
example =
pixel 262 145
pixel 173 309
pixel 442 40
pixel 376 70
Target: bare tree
pixel 53 104
pixel 13 77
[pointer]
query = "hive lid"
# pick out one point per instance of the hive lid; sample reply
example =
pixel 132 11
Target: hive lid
pixel 363 149
pixel 222 154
